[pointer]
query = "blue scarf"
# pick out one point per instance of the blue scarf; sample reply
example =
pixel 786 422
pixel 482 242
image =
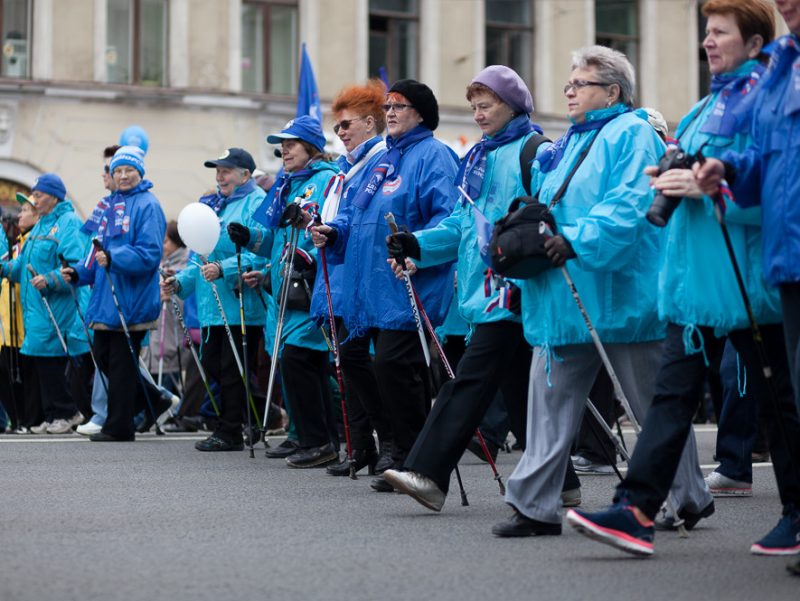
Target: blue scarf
pixel 218 202
pixel 109 218
pixel 733 89
pixel 270 211
pixel 391 160
pixel 551 156
pixel 358 153
pixel 473 167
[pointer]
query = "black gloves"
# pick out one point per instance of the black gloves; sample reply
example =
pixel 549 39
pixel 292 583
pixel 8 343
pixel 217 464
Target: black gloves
pixel 559 251
pixel 402 245
pixel 292 215
pixel 239 234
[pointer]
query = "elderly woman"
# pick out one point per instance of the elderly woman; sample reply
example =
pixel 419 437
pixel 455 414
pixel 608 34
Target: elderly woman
pixel 696 298
pixel 360 121
pixel 414 180
pixel 592 178
pixel 498 355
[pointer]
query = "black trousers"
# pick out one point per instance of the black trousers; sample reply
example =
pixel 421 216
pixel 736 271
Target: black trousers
pixel 80 374
pixel 57 401
pixel 790 306
pixel 497 357
pixel 304 373
pixel 125 395
pixel 219 362
pixel 11 389
pixel 669 420
pixel 366 412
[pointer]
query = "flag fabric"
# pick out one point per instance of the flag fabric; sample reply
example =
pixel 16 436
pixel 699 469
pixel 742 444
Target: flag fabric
pixel 484 231
pixel 307 92
pixel 384 76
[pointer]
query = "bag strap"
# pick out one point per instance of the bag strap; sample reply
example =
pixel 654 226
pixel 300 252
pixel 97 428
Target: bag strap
pixel 526 155
pixel 562 190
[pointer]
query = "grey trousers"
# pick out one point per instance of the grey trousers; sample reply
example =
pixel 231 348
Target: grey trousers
pixel 554 416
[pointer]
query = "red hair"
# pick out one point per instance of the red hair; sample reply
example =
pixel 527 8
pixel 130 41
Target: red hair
pixel 365 99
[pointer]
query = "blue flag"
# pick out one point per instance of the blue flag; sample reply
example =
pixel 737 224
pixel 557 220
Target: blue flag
pixel 384 77
pixel 484 231
pixel 307 93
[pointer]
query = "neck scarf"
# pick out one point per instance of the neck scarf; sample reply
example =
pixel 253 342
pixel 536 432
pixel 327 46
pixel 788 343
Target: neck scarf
pixel 785 57
pixel 109 218
pixel 270 211
pixel 473 167
pixel 733 89
pixel 551 156
pixel 390 163
pixel 218 202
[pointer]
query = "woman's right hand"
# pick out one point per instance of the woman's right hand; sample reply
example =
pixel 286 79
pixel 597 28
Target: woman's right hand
pixel 320 235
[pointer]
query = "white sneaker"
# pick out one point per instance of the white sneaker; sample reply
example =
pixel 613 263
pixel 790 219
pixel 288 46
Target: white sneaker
pixel 89 428
pixel 41 428
pixel 722 486
pixel 583 465
pixel 76 419
pixel 60 426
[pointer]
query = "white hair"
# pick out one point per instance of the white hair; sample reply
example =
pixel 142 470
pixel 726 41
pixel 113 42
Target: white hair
pixel 612 67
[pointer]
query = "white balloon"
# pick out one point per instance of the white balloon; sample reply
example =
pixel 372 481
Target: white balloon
pixel 199 228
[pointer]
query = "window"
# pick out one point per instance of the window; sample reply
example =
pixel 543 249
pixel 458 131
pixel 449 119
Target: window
pixel 509 35
pixel 269 46
pixel 136 42
pixel 703 72
pixel 394 38
pixel 15 24
pixel 617 26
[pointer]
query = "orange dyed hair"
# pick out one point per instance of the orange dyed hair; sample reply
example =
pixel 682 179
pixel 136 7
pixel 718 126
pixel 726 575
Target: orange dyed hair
pixel 363 99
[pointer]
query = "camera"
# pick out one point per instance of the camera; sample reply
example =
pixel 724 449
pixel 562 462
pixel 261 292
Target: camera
pixel 664 206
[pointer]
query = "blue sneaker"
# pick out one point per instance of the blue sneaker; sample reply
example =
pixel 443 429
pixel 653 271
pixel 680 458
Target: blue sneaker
pixel 783 539
pixel 617 526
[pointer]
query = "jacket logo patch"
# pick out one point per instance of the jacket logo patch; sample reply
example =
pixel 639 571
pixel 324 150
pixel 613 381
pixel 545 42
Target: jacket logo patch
pixel 392 186
pixel 126 223
pixel 309 191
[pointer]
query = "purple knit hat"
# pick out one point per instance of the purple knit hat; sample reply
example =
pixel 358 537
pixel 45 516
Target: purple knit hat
pixel 508 86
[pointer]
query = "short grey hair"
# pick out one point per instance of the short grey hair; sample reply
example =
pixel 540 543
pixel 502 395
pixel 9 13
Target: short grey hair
pixel 612 67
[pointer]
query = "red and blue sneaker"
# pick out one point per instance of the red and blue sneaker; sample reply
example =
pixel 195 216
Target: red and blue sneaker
pixel 784 538
pixel 617 526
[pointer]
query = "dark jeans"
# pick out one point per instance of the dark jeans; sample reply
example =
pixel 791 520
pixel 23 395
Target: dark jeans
pixel 304 373
pixel 669 420
pixel 738 418
pixel 790 307
pixel 365 410
pixel 219 362
pixel 125 395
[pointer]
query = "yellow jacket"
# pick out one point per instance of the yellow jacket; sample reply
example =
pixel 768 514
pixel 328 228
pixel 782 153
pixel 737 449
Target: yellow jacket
pixel 7 336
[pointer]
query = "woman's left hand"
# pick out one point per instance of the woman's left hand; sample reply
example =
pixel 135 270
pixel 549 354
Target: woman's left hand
pixel 39 282
pixel 253 279
pixel 211 272
pixel 678 183
pixel 398 270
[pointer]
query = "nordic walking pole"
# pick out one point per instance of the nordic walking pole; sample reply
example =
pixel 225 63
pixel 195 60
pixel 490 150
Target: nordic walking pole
pixel 337 363
pixel 65 263
pixel 161 342
pixel 99 248
pixel 52 317
pixel 415 311
pixel 245 375
pixel 186 335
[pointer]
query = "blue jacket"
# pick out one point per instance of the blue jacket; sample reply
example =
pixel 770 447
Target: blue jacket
pixel 135 257
pixel 455 237
pixel 768 173
pixel 54 233
pixel 602 215
pixel 420 196
pixel 298 327
pixel 191 279
pixel 355 177
pixel 697 285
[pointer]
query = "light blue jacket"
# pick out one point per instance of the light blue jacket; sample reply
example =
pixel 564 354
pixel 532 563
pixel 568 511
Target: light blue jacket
pixel 455 237
pixel 191 279
pixel 420 194
pixel 298 327
pixel 696 283
pixel 602 215
pixel 768 173
pixel 54 233
pixel 135 257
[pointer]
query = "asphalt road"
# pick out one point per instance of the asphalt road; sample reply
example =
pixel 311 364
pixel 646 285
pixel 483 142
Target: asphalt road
pixel 155 519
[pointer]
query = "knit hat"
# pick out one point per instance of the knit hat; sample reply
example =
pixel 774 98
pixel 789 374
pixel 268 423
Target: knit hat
pixel 129 155
pixel 51 184
pixel 508 86
pixel 304 128
pixel 421 98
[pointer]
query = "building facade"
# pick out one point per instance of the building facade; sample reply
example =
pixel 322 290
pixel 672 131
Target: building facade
pixel 202 75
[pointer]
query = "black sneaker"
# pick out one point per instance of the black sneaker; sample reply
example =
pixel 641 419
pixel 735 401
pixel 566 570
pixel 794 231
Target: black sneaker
pixel 214 443
pixel 520 525
pixel 313 457
pixel 287 448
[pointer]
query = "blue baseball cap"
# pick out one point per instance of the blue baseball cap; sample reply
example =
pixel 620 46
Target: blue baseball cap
pixel 304 128
pixel 51 184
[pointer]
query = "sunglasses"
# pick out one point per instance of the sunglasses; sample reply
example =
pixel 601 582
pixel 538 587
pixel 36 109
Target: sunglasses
pixel 345 124
pixel 396 107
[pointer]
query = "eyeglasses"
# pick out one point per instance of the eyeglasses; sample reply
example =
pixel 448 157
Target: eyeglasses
pixel 396 107
pixel 345 124
pixel 577 84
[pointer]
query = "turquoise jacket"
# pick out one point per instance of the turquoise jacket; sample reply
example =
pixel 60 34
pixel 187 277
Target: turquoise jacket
pixel 696 283
pixel 602 215
pixel 298 327
pixel 54 233
pixel 191 279
pixel 455 237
